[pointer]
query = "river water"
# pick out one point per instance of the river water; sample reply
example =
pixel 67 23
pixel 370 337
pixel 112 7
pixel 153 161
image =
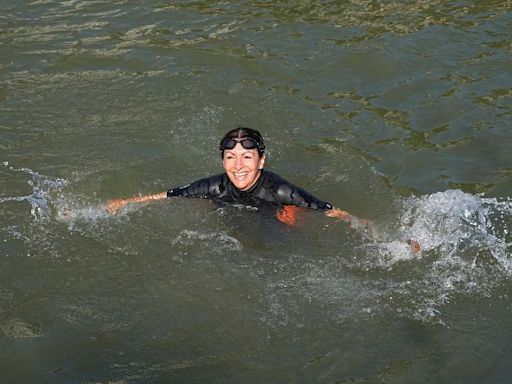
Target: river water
pixel 398 112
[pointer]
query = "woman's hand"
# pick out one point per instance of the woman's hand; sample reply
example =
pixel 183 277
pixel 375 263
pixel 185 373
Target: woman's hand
pixel 366 225
pixel 115 205
pixel 352 221
pixel 339 214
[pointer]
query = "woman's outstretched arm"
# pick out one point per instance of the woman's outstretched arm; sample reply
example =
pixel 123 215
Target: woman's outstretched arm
pixel 116 205
pixel 207 187
pixel 348 218
pixel 339 214
pixel 287 214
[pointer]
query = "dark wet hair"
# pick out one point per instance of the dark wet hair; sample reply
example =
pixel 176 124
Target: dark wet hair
pixel 242 132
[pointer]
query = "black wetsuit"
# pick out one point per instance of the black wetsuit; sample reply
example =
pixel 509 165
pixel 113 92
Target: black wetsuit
pixel 269 187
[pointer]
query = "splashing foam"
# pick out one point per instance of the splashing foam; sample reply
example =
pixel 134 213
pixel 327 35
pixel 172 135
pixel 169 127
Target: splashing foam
pixel 41 187
pixel 49 204
pixel 48 199
pixel 459 224
pixel 453 223
pixel 465 241
pixel 73 212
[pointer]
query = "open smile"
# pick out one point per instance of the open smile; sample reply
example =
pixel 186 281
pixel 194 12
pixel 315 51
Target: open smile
pixel 240 175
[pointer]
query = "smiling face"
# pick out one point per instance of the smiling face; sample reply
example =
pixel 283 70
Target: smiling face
pixel 243 166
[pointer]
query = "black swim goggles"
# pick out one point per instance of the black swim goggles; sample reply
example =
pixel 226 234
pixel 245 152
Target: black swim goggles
pixel 246 142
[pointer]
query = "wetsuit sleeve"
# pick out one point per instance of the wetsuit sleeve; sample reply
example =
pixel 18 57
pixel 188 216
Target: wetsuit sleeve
pixel 208 187
pixel 286 193
pixel 293 195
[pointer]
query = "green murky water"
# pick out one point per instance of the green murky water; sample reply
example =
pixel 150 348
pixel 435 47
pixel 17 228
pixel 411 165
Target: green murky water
pixel 395 111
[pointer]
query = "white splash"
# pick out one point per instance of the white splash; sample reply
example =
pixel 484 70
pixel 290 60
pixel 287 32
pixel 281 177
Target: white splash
pixel 459 224
pixel 465 249
pixel 41 186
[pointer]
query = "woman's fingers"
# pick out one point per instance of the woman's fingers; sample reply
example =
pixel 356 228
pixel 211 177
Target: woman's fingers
pixel 365 225
pixel 115 205
pixel 353 221
pixel 338 213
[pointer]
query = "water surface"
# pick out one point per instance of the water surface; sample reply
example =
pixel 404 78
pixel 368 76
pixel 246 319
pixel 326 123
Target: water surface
pixel 399 113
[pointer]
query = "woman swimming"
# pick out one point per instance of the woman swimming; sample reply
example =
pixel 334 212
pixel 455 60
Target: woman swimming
pixel 246 181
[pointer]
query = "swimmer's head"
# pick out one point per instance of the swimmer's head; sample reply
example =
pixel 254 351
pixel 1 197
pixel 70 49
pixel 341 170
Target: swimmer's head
pixel 243 156
pixel 247 137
